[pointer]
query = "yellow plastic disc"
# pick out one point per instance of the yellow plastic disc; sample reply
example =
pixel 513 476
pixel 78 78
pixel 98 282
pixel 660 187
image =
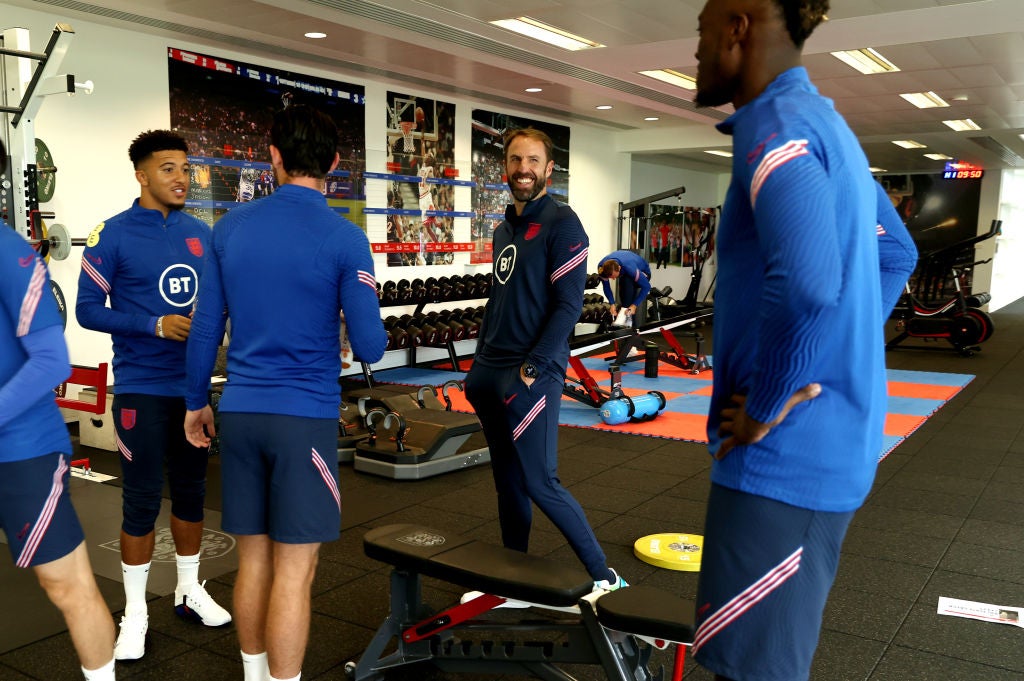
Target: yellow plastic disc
pixel 672 551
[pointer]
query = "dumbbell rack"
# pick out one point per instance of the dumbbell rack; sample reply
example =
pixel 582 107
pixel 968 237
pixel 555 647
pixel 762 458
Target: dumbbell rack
pixel 411 333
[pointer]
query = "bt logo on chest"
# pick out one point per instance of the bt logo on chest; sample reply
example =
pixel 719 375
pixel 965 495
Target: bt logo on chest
pixel 178 285
pixel 505 263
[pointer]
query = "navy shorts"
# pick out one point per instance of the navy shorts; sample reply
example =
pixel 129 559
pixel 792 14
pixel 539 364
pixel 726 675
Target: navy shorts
pixel 35 509
pixel 280 477
pixel 766 571
pixel 150 435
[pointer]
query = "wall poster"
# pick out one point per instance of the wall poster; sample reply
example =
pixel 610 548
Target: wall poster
pixel 490 191
pixel 224 108
pixel 421 181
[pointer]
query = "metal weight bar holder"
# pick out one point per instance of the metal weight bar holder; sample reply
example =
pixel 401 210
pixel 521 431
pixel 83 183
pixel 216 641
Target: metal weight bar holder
pixel 28 77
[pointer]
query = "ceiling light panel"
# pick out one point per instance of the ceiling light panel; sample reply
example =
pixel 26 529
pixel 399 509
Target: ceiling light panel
pixel 962 125
pixel 546 33
pixel 866 60
pixel 672 77
pixel 925 100
pixel 909 144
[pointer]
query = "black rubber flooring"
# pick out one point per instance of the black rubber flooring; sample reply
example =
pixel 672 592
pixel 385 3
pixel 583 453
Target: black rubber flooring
pixel 944 519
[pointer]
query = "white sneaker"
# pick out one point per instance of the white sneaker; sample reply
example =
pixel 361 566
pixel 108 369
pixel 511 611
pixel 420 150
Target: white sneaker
pixel 608 585
pixel 509 603
pixel 200 606
pixel 621 319
pixel 131 640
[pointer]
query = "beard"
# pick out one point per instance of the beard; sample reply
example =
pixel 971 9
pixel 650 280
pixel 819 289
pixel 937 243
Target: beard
pixel 720 90
pixel 525 194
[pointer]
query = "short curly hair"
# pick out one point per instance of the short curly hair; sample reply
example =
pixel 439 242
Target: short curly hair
pixel 153 141
pixel 802 17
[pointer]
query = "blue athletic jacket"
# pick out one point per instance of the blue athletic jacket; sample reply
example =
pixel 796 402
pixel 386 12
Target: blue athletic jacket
pixel 282 268
pixel 799 299
pixel 540 269
pixel 33 356
pixel 149 267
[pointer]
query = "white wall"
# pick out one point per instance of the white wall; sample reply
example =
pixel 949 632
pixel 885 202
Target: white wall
pixel 89 137
pixel 702 190
pixel 1007 274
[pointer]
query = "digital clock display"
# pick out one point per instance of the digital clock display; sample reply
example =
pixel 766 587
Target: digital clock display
pixel 960 170
pixel 962 174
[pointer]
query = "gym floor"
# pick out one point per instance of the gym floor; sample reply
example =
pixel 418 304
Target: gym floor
pixel 944 519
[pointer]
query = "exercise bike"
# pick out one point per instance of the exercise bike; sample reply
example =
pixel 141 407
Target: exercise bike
pixel 959 320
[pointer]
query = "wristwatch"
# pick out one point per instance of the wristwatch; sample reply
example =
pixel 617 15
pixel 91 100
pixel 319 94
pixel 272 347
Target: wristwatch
pixel 529 370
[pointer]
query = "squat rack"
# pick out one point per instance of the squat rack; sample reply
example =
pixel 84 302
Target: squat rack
pixel 19 175
pixel 627 218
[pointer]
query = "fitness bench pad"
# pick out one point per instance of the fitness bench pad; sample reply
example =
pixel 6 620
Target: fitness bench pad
pixel 478 566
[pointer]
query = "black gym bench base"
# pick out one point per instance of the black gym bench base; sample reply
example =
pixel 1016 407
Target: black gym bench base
pixel 617 630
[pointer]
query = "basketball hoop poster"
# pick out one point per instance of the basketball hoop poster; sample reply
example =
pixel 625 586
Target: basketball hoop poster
pixel 421 189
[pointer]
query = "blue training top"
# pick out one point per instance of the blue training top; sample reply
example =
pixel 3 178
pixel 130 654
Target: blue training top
pixel 540 270
pixel 283 268
pixel 632 267
pixel 799 300
pixel 149 266
pixel 30 423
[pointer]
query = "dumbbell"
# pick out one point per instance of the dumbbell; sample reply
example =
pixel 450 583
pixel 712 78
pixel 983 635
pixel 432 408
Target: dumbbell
pixel 433 290
pixel 450 318
pixel 443 331
pixel 459 288
pixel 593 281
pixel 483 285
pixel 446 288
pixel 419 331
pixel 398 337
pixel 389 293
pixel 419 291
pixel 469 283
pixel 472 320
pixel 404 292
pixel 591 314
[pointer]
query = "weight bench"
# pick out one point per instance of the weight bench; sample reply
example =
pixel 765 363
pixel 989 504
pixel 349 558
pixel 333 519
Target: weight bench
pixel 438 436
pixel 618 630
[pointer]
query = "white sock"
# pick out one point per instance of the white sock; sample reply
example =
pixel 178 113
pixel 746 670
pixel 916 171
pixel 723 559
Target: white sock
pixel 255 666
pixel 292 678
pixel 135 578
pixel 188 572
pixel 104 673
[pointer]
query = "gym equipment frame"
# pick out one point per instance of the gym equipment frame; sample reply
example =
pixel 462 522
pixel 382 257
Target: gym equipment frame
pixel 616 630
pixel 20 197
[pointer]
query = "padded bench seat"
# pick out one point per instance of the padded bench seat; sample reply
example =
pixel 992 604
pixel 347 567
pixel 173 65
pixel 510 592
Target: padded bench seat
pixel 478 566
pixel 646 611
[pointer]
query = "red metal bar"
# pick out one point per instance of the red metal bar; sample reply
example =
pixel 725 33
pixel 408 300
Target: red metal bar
pixel 451 617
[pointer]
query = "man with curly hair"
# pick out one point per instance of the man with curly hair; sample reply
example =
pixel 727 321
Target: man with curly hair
pixel 146 261
pixel 795 433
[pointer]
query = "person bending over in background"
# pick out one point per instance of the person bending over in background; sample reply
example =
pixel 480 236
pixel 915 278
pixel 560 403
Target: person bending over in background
pixel 283 268
pixel 634 276
pixel 147 261
pixel 795 434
